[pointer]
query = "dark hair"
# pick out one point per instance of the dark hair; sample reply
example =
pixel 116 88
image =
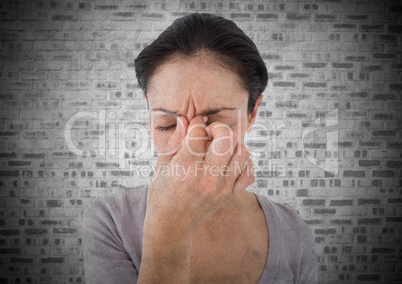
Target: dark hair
pixel 194 33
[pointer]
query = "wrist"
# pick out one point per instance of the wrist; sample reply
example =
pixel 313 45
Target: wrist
pixel 166 247
pixel 167 228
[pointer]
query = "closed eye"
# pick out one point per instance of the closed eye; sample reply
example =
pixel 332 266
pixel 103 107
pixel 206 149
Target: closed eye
pixel 165 128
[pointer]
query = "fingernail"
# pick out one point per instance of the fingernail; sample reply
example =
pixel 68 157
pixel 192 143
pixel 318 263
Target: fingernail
pixel 205 118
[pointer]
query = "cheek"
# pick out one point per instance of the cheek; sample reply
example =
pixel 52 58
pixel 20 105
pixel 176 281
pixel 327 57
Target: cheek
pixel 240 128
pixel 160 140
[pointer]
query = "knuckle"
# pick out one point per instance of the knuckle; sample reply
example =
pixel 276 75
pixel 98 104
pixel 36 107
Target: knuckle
pixel 208 184
pixel 224 194
pixel 243 152
pixel 197 130
pixel 227 192
pixel 221 129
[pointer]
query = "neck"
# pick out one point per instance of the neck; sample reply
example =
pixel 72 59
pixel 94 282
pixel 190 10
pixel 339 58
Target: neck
pixel 236 208
pixel 236 203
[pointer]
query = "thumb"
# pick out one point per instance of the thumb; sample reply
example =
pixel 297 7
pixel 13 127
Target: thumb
pixel 245 179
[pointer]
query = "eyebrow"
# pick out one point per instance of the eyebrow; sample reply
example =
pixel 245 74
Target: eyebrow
pixel 207 112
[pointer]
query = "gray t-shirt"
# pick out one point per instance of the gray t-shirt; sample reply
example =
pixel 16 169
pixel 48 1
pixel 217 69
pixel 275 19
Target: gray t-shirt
pixel 112 241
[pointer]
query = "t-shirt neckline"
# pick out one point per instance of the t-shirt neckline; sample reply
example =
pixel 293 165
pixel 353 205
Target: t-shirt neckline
pixel 273 258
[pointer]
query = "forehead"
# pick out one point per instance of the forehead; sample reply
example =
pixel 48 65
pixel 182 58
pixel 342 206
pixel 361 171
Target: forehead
pixel 199 78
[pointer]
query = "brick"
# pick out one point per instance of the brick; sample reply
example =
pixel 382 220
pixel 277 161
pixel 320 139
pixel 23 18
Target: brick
pixel 370 221
pixel 19 163
pixel 106 7
pixel 240 16
pixel 344 26
pixel 351 173
pixel 153 16
pixel 345 144
pixel 315 84
pixel 356 17
pixel 303 192
pixel 140 6
pixel 9 35
pixel 369 201
pixel 343 65
pixel 286 104
pixel 341 222
pixel 268 56
pixel 297 17
pixel 383 115
pixel 64 17
pixel 394 164
pixel 393 219
pixel 50 222
pixel 383 133
pixel 21 260
pixel 394 28
pixel 369 163
pixel 394 200
pixel 314 65
pixel 394 145
pixel 52 260
pixel 371 28
pixel 300 75
pixel 384 56
pixel 5 251
pixel 284 84
pixel 11 173
pixel 10 232
pixel 395 8
pixel 284 67
pixel 64 231
pixel 395 87
pixel 35 231
pixel 313 202
pixel 325 232
pixel 357 58
pixel 384 174
pixel 325 18
pixel 7 155
pixel 325 211
pixel 267 16
pixel 53 203
pixel 342 202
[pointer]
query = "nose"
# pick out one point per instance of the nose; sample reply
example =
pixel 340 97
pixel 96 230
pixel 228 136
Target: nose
pixel 190 112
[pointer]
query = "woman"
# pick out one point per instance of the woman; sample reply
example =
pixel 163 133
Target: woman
pixel 203 79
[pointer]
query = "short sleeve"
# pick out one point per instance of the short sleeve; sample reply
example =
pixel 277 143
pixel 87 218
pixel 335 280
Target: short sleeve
pixel 308 267
pixel 105 259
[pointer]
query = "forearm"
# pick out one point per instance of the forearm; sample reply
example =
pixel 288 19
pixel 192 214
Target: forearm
pixel 166 253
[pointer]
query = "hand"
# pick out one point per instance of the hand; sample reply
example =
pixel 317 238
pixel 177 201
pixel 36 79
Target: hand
pixel 204 167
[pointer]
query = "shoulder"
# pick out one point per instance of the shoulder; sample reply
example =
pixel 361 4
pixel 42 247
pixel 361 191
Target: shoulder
pixel 287 218
pixel 295 239
pixel 113 208
pixel 290 221
pixel 294 228
pixel 111 236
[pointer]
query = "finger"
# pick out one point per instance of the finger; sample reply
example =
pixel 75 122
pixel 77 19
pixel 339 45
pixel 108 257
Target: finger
pixel 175 141
pixel 238 161
pixel 221 148
pixel 195 142
pixel 245 179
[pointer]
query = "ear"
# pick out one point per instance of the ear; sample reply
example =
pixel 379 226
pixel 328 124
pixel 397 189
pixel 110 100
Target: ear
pixel 253 114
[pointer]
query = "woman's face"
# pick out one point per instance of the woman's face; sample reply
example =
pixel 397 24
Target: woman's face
pixel 192 86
